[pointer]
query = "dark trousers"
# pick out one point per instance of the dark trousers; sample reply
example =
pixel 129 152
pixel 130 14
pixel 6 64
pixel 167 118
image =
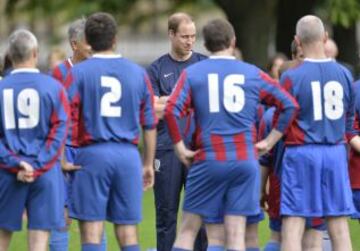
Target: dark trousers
pixel 170 176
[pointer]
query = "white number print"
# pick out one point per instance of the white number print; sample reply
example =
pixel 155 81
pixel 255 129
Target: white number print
pixel 333 100
pixel 28 106
pixel 234 95
pixel 107 109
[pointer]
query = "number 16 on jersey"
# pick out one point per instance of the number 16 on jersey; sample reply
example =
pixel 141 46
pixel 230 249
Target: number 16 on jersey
pixel 234 96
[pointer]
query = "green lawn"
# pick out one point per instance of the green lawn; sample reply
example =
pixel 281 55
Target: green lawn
pixel 147 232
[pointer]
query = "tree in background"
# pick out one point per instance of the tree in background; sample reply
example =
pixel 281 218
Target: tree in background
pixel 344 14
pixel 262 26
pixel 258 22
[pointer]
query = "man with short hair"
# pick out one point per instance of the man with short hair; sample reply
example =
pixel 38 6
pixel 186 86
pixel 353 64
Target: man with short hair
pixel 170 174
pixel 331 49
pixel 6 66
pixel 354 159
pixel 81 50
pixel 33 125
pixel 271 173
pixel 315 181
pixel 59 239
pixel 112 98
pixel 223 182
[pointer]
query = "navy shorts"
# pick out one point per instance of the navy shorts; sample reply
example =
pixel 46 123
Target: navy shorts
pixel 217 188
pixel 315 181
pixel 43 200
pixel 109 184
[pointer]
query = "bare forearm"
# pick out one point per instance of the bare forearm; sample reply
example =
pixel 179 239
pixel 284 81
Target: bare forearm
pixel 264 178
pixel 266 144
pixel 273 137
pixel 159 105
pixel 149 146
pixel 355 143
pixel 179 147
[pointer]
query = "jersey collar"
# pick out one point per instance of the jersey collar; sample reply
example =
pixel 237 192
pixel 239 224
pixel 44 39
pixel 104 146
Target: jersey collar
pixel 313 60
pixel 222 57
pixel 106 56
pixel 25 70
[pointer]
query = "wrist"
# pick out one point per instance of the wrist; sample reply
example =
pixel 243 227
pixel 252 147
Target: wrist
pixel 147 166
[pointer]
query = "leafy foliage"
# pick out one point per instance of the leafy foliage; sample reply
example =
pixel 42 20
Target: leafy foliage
pixel 344 12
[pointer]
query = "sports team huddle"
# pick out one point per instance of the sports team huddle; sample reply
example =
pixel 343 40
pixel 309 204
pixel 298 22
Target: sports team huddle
pixel 241 142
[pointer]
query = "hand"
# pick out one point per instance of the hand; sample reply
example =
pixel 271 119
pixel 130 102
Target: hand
pixel 266 144
pixel 263 201
pixel 159 105
pixel 263 147
pixel 68 166
pixel 26 173
pixel 148 177
pixel 68 220
pixel 185 155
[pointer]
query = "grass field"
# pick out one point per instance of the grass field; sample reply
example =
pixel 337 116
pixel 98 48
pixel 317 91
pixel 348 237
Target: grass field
pixel 147 232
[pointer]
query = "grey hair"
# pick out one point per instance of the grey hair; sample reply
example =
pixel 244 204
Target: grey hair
pixel 76 31
pixel 21 45
pixel 310 29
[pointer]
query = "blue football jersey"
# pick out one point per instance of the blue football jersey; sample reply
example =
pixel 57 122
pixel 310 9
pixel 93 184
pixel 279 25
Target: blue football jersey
pixel 163 73
pixel 59 73
pixel 273 158
pixel 225 94
pixel 33 122
pixel 323 89
pixel 354 156
pixel 110 98
pixel 357 104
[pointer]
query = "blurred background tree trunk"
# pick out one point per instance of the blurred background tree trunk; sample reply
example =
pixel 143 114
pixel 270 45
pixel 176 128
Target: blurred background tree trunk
pixel 253 21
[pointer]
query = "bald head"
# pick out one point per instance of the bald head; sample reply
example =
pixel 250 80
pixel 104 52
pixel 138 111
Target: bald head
pixel 331 49
pixel 310 29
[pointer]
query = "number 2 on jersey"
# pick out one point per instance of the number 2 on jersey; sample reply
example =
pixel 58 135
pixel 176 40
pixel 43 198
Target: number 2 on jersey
pixel 27 105
pixel 333 100
pixel 107 107
pixel 234 95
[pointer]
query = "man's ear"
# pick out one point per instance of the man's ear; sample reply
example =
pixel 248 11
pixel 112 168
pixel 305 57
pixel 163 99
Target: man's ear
pixel 297 40
pixel 233 42
pixel 326 37
pixel 73 45
pixel 171 33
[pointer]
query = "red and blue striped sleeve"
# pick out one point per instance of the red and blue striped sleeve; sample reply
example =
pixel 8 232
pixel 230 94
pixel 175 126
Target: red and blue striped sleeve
pixel 8 159
pixel 148 119
pixel 61 70
pixel 51 150
pixel 353 112
pixel 272 94
pixel 57 74
pixel 71 86
pixel 178 105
